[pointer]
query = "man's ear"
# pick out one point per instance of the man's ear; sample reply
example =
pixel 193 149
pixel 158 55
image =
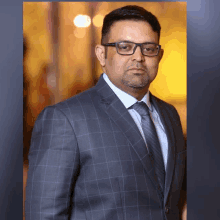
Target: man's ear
pixel 100 53
pixel 161 54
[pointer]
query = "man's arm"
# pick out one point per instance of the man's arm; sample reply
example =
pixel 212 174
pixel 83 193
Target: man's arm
pixel 53 167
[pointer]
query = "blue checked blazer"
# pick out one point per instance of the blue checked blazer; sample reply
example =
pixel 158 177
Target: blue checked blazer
pixel 88 161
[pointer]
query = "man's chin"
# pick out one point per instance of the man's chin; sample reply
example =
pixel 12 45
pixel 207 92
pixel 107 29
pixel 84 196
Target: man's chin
pixel 137 86
pixel 137 82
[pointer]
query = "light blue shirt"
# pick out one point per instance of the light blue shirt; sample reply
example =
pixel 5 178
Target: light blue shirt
pixel 128 101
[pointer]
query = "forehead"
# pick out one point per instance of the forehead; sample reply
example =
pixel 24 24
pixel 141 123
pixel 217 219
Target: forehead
pixel 135 31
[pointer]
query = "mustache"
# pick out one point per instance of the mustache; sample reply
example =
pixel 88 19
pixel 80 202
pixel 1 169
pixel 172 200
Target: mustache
pixel 137 66
pixel 144 69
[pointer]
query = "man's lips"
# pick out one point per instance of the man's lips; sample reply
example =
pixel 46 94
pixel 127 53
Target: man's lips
pixel 137 69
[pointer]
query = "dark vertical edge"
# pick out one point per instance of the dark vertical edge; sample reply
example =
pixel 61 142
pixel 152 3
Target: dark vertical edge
pixel 11 111
pixel 93 42
pixel 55 40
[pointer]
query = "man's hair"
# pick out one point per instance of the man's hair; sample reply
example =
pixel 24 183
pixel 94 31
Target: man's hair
pixel 129 12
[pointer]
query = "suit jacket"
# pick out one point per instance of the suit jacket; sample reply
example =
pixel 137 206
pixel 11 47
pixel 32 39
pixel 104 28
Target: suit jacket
pixel 88 161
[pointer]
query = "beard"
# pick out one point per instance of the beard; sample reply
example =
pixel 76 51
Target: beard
pixel 136 81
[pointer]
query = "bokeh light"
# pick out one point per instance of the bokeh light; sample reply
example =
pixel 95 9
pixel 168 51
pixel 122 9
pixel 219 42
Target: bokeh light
pixel 98 20
pixel 82 21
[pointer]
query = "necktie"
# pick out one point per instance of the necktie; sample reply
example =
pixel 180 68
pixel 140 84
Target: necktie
pixel 152 140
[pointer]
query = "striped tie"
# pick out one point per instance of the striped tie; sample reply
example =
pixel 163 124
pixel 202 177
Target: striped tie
pixel 152 141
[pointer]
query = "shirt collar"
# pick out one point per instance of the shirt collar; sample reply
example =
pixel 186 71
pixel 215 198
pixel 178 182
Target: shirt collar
pixel 125 98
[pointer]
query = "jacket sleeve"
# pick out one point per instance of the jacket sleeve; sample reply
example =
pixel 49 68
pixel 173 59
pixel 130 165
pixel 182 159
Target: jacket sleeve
pixel 53 167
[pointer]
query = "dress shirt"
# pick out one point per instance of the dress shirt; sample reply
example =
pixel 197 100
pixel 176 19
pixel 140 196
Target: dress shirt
pixel 128 101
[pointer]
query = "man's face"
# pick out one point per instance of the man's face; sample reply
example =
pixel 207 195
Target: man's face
pixel 133 71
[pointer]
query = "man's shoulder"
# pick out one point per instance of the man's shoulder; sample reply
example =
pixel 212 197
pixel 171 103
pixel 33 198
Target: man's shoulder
pixel 167 110
pixel 161 103
pixel 75 103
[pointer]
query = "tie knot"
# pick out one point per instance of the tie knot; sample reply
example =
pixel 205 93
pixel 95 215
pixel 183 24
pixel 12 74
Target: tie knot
pixel 141 108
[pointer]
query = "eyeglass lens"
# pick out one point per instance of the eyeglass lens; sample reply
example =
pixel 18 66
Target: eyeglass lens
pixel 127 48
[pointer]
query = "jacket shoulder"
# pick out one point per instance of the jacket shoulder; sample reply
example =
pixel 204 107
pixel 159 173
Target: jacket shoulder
pixel 163 104
pixel 167 109
pixel 77 105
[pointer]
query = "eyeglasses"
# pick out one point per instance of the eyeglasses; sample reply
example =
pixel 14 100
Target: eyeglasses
pixel 128 48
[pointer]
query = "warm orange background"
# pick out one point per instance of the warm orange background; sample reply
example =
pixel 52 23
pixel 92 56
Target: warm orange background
pixel 74 64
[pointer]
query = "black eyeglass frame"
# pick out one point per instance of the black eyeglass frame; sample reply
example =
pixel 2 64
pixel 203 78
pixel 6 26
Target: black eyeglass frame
pixel 115 44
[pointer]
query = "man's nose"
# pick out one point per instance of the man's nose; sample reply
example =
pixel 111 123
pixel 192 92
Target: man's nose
pixel 138 54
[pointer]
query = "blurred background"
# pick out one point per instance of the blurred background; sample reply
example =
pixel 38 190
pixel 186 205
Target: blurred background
pixel 59 57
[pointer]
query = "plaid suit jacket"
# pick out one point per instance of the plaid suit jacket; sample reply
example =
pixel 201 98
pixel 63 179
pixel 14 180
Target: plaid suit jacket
pixel 88 161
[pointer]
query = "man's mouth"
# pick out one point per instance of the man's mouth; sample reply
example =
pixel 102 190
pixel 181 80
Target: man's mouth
pixel 137 70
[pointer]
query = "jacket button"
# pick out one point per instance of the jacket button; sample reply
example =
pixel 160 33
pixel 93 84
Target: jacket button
pixel 166 210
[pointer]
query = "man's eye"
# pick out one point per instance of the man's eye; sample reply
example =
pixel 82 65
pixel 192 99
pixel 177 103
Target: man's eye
pixel 125 47
pixel 149 49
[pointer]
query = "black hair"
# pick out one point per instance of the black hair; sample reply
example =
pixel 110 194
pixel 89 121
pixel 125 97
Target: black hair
pixel 129 12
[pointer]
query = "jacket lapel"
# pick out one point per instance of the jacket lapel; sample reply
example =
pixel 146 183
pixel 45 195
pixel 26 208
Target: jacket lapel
pixel 165 118
pixel 120 115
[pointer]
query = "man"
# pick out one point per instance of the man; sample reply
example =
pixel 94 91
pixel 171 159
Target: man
pixel 115 151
